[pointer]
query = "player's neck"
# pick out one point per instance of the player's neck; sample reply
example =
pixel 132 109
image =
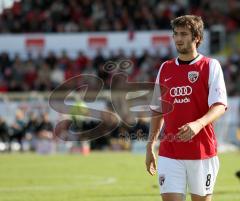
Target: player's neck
pixel 189 56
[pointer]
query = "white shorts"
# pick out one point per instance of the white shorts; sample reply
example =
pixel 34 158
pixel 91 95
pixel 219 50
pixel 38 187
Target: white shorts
pixel 199 176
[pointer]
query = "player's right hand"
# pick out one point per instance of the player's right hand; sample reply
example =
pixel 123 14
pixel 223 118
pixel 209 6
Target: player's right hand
pixel 150 160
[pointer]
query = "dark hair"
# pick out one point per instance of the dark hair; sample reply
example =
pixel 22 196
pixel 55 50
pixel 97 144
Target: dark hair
pixel 193 22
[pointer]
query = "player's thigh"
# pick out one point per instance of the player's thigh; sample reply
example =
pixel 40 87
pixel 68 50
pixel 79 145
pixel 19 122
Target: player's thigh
pixel 201 198
pixel 201 176
pixel 173 197
pixel 171 175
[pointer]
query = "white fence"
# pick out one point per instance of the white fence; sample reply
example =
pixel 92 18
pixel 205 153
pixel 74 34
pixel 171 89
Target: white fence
pixel 90 42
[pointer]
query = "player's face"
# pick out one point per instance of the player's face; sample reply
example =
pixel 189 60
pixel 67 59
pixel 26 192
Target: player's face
pixel 183 39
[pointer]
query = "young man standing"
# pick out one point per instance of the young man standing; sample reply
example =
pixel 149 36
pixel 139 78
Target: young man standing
pixel 196 89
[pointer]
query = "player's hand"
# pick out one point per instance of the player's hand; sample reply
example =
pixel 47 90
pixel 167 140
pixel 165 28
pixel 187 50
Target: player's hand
pixel 189 130
pixel 150 160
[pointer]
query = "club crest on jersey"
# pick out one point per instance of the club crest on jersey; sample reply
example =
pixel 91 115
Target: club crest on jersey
pixel 193 76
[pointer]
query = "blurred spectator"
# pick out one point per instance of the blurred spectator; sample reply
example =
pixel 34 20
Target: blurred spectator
pixel 45 143
pixel 141 129
pixel 45 128
pixel 51 59
pixel 96 15
pixel 43 78
pixel 18 129
pixel 31 130
pixel 81 62
pixel 4 131
pixel 56 76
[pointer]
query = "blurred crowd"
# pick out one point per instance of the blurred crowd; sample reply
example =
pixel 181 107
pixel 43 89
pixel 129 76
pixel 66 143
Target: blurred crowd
pixel 118 15
pixel 46 73
pixel 13 136
pixel 35 132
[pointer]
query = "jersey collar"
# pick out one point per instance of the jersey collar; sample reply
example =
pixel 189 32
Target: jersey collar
pixel 193 62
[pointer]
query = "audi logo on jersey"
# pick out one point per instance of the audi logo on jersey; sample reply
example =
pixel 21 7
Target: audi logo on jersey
pixel 180 91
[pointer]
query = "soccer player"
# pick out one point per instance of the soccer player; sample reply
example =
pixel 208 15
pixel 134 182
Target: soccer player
pixel 196 89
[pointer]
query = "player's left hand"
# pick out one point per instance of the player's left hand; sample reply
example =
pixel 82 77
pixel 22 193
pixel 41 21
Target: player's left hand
pixel 188 131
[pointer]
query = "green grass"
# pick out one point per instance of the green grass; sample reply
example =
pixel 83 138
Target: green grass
pixel 98 177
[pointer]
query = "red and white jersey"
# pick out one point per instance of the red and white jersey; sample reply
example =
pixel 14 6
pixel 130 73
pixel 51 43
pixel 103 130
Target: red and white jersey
pixel 192 89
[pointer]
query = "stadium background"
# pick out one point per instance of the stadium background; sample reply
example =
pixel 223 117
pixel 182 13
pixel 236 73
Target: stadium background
pixel 45 43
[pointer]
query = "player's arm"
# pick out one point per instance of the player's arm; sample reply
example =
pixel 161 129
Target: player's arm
pixel 156 125
pixel 188 131
pixel 217 101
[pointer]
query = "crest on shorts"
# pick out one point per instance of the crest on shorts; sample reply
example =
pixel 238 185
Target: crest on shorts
pixel 193 76
pixel 161 179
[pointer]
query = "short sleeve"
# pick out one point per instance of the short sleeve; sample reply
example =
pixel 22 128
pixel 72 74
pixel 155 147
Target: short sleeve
pixel 156 98
pixel 217 88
